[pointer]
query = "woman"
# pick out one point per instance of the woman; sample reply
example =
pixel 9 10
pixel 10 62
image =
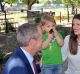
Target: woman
pixel 71 47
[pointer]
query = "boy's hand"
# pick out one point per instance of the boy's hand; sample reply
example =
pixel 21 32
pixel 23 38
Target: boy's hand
pixel 50 36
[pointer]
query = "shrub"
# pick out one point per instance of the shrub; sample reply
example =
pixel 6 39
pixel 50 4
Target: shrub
pixel 8 27
pixel 63 30
pixel 2 56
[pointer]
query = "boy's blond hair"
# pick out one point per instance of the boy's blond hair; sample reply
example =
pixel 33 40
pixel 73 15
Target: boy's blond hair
pixel 45 18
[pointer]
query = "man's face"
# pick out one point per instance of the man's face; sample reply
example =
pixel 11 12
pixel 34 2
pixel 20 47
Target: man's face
pixel 35 44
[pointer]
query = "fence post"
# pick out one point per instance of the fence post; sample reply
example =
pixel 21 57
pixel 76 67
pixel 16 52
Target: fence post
pixel 76 10
pixel 6 24
pixel 68 16
pixel 60 17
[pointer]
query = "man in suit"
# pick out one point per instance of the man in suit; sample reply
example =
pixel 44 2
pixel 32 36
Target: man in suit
pixel 21 61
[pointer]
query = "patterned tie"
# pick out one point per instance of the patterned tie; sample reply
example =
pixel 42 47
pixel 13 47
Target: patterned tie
pixel 35 69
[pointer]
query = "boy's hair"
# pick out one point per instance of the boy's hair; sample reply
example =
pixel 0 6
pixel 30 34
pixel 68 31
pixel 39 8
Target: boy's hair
pixel 47 17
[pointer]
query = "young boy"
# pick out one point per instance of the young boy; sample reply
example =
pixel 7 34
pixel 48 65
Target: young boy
pixel 52 42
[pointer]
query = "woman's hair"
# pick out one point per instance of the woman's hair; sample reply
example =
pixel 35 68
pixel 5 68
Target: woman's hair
pixel 73 38
pixel 46 17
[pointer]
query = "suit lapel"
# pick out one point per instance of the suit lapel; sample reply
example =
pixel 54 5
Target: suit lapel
pixel 24 58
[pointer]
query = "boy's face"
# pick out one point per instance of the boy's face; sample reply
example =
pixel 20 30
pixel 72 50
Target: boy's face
pixel 48 26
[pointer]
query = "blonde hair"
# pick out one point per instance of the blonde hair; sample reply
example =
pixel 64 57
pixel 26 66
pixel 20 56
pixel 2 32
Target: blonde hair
pixel 45 18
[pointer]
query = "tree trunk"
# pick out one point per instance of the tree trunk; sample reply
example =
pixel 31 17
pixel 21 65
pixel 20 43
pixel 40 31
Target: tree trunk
pixel 6 23
pixel 2 7
pixel 73 9
pixel 67 13
pixel 29 8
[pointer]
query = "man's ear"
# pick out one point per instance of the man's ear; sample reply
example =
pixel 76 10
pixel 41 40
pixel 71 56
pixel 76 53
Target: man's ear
pixel 31 42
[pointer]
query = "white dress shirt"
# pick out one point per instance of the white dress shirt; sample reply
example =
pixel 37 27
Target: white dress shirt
pixel 73 60
pixel 29 57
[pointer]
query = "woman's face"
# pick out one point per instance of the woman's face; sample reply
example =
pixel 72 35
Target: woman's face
pixel 48 26
pixel 76 26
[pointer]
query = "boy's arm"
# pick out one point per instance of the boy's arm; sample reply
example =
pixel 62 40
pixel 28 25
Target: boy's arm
pixel 46 43
pixel 59 40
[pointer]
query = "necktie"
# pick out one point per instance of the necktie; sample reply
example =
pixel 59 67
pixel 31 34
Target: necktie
pixel 35 69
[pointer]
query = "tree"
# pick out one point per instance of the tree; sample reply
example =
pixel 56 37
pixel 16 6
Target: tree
pixel 2 5
pixel 72 3
pixel 30 3
pixel 10 1
pixel 57 1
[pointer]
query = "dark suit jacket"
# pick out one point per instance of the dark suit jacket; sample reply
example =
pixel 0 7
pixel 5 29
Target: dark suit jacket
pixel 17 64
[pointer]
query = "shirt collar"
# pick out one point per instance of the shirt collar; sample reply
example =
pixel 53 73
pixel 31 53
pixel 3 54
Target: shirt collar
pixel 28 55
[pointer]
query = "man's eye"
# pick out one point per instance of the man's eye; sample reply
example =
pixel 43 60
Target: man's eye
pixel 78 24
